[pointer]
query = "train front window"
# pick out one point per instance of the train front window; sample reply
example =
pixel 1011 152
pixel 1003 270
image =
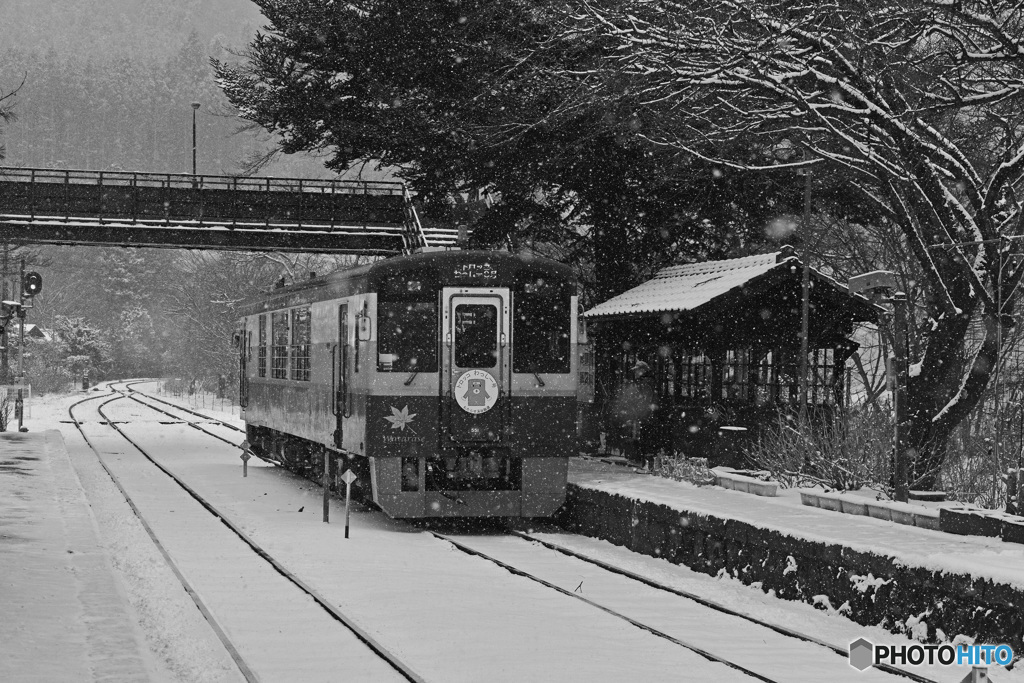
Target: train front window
pixel 540 333
pixel 406 336
pixel 476 336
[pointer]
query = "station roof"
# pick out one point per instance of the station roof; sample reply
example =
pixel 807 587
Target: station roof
pixel 690 287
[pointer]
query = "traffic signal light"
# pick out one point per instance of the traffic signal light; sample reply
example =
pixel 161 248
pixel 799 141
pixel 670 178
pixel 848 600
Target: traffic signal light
pixel 32 284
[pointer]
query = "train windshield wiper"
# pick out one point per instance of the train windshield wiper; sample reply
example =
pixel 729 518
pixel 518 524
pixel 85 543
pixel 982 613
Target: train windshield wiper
pixel 412 377
pixel 540 382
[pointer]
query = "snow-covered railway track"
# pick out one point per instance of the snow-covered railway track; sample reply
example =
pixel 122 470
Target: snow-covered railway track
pixel 687 595
pixel 756 648
pixel 653 618
pixel 148 399
pixel 274 625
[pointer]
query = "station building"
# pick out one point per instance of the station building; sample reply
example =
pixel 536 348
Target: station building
pixel 703 355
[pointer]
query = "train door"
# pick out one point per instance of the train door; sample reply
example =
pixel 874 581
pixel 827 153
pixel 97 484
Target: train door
pixel 340 372
pixel 476 364
pixel 244 355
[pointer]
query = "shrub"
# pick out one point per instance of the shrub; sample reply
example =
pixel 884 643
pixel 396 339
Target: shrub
pixel 844 453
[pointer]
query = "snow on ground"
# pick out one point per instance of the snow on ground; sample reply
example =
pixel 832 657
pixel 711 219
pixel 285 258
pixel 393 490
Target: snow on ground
pixel 450 617
pixel 63 614
pixel 756 648
pixel 931 549
pixel 282 635
pixel 453 617
pixel 174 632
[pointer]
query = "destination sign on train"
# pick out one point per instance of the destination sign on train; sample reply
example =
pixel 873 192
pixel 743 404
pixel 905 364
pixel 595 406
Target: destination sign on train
pixel 475 271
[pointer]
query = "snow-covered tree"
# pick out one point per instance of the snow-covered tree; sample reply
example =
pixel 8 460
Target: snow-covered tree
pixel 480 95
pixel 917 103
pixel 204 291
pixel 82 348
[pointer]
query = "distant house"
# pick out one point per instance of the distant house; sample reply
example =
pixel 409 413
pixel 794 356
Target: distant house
pixel 31 332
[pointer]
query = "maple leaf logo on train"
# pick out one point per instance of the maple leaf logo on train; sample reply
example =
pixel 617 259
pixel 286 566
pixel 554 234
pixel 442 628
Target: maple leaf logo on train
pixel 400 418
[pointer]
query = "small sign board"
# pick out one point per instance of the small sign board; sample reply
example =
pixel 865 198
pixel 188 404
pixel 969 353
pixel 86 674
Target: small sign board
pixel 348 477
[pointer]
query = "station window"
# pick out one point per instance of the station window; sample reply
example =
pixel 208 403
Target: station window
pixel 261 351
pixel 299 352
pixel 279 345
pixel 406 336
pixel 540 333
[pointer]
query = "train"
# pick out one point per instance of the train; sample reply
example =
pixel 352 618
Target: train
pixel 446 381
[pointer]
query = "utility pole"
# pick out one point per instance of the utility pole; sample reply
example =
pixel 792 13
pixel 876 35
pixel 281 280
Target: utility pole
pixel 195 108
pixel 5 336
pixel 21 324
pixel 805 296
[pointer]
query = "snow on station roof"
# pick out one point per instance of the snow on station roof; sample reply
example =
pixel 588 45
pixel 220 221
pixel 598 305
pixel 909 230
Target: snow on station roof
pixel 690 286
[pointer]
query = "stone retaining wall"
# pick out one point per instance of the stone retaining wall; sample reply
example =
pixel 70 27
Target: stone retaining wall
pixel 871 589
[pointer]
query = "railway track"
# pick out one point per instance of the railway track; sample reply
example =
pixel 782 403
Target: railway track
pixel 841 651
pixel 238 554
pixel 747 650
pixel 763 636
pixel 134 395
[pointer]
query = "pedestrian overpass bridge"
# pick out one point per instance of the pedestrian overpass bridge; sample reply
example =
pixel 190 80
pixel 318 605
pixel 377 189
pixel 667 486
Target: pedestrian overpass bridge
pixel 211 212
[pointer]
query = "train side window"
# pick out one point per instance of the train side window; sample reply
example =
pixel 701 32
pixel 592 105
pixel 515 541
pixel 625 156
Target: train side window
pixel 261 351
pixel 299 353
pixel 540 333
pixel 476 335
pixel 279 345
pixel 406 336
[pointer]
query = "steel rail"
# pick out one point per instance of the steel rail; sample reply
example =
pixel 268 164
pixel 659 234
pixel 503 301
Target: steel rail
pixel 782 630
pixel 239 661
pixel 129 385
pixel 843 652
pixel 650 629
pixel 333 611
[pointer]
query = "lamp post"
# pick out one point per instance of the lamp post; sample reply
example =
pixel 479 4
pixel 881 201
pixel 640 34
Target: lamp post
pixel 195 108
pixel 884 282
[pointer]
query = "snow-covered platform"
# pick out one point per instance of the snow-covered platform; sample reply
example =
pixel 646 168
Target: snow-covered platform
pixel 63 614
pixel 931 585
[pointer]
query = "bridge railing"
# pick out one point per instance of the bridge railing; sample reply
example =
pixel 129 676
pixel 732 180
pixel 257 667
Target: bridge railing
pixel 169 198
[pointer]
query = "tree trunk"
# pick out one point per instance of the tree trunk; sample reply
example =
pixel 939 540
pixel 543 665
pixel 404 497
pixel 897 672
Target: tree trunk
pixel 944 393
pixel 612 275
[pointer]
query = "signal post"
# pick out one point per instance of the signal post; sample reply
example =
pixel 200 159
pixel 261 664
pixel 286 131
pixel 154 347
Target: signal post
pixel 30 284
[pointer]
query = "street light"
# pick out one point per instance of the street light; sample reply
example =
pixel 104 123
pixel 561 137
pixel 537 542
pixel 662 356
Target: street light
pixel 884 282
pixel 195 108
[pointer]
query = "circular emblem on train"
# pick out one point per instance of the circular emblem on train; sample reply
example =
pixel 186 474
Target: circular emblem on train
pixel 476 391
